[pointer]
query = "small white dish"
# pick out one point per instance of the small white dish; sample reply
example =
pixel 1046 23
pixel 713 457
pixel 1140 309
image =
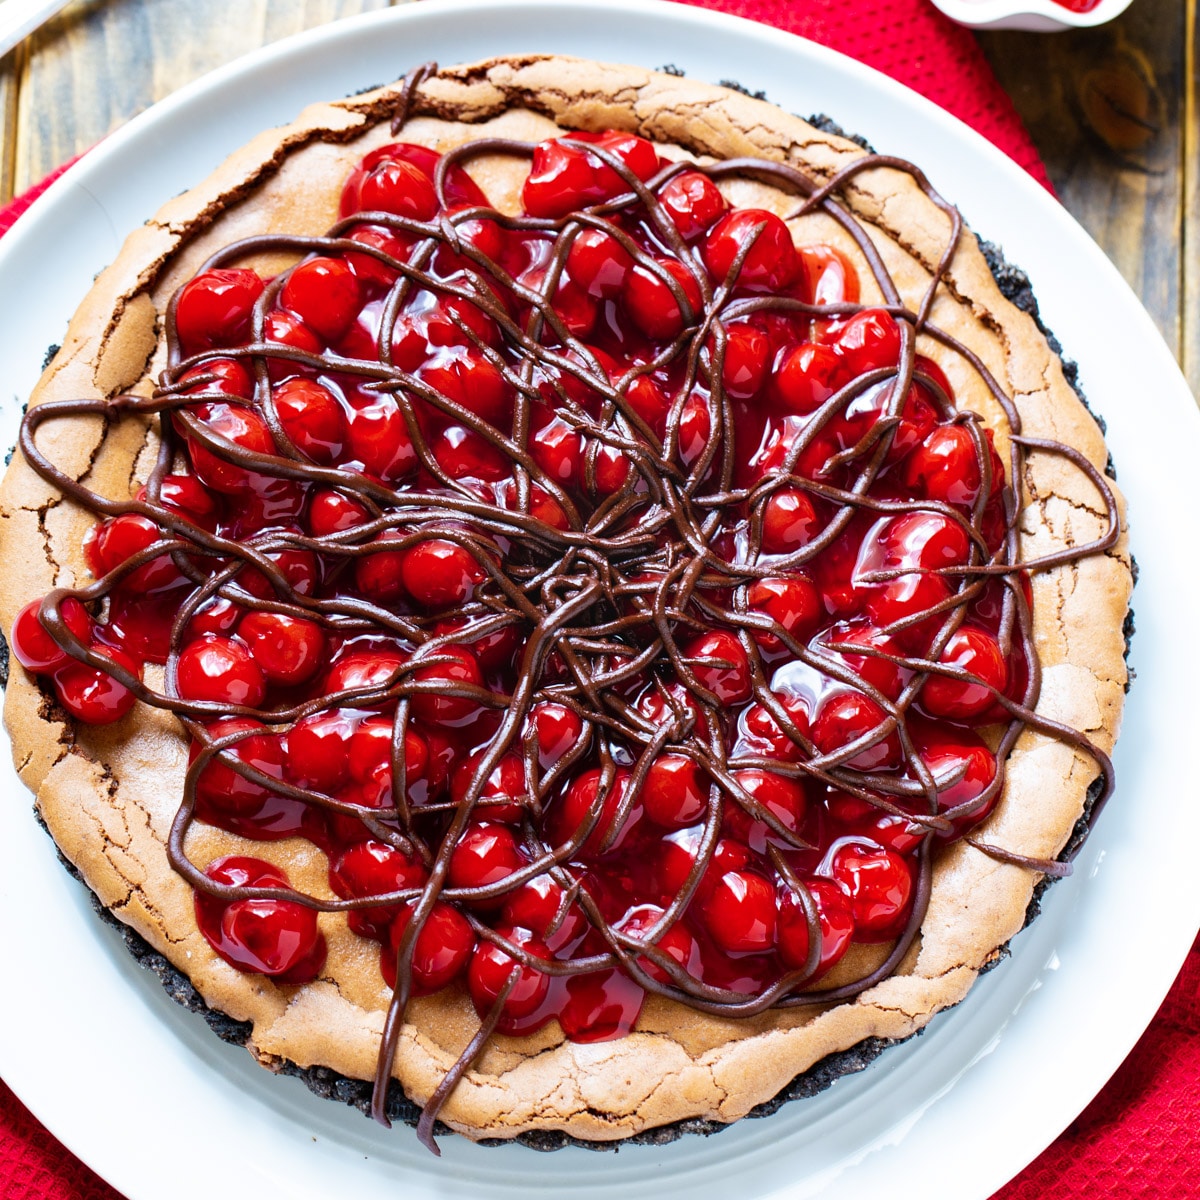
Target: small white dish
pixel 1036 16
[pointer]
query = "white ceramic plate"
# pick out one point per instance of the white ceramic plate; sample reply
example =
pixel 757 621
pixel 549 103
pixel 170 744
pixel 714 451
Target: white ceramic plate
pixel 143 1092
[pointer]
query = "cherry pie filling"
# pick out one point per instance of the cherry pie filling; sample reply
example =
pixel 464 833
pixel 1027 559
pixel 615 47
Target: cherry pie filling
pixel 619 603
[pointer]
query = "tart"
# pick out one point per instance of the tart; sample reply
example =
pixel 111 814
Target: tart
pixel 565 588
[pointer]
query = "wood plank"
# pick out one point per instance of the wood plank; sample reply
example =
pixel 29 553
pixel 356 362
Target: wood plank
pixel 96 65
pixel 10 72
pixel 1105 109
pixel 1190 315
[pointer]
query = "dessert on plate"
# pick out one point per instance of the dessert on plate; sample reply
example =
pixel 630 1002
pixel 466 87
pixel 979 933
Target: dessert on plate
pixel 565 594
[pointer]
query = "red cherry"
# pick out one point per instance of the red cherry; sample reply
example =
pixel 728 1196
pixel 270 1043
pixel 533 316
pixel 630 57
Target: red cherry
pixel 490 970
pixel 780 795
pixel 674 794
pixel 332 512
pixel 804 378
pixel 918 418
pixel 558 386
pixel 771 262
pixel 276 938
pixel 286 329
pixel 571 304
pixel 481 233
pixel 217 616
pixel 677 854
pixel 543 507
pixel 651 303
pixel 288 649
pixel 459 188
pixel 298 568
pixel 222 376
pixel 789 521
pixel 695 429
pixel 487 853
pixel 646 397
pixel 675 942
pixel 368 669
pixel 907 596
pixel 374 795
pixel 792 602
pixel 658 711
pixel 846 716
pixel 557 449
pixel 576 806
pixel 961 755
pixel 235 423
pixel 879 883
pixel 32 644
pixel 373 273
pixel 442 949
pixel 391 185
pixel 722 666
pixel 317 751
pixel 879 673
pixel 325 294
pixel 834 919
pixel 503 791
pixel 93 696
pixel 692 201
pixel 441 574
pixel 760 726
pixel 976 651
pixel 917 539
pixel 267 502
pixel 214 308
pixel 864 819
pixel 600 1005
pixel 868 341
pixel 431 322
pixel 312 417
pixel 945 466
pixel 598 263
pixel 494 651
pixel 829 276
pixel 371 868
pixel 471 381
pixel 747 356
pixel 219 785
pixel 557 728
pixel 463 454
pixel 610 471
pixel 369 752
pixel 377 436
pixel 186 495
pixel 220 670
pixel 439 707
pixel 739 913
pixel 834 571
pixel 563 178
pixel 538 905
pixel 379 575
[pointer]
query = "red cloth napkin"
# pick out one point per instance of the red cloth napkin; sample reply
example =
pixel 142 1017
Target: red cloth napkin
pixel 1137 1138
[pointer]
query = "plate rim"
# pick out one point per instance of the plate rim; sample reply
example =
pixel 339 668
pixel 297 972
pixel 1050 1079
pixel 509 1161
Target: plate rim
pixel 77 175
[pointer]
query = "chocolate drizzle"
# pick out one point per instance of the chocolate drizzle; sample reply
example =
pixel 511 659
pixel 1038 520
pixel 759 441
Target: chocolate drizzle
pixel 606 599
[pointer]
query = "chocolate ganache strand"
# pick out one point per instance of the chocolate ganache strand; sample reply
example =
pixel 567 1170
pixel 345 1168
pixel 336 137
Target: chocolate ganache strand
pixel 611 580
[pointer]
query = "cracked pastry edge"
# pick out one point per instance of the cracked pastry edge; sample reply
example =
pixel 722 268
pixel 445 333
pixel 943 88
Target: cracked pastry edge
pixel 92 784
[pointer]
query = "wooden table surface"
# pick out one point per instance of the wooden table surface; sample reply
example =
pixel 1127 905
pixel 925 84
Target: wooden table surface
pixel 1113 112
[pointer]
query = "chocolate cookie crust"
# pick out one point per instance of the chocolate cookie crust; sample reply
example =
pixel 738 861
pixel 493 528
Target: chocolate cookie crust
pixel 97 788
